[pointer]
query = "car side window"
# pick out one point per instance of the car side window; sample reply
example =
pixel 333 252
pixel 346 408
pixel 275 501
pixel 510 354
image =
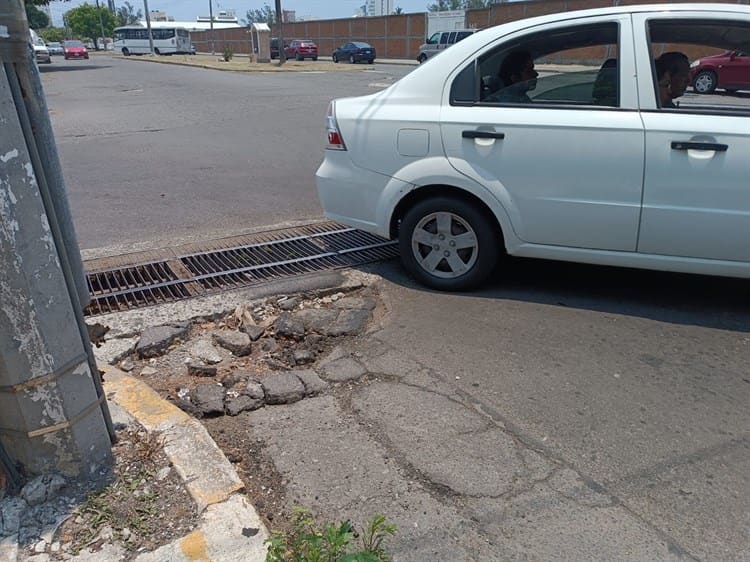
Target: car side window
pixel 444 38
pixel 693 64
pixel 452 37
pixel 570 66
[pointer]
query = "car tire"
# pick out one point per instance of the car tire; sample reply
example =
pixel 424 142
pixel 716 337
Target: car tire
pixel 335 58
pixel 351 59
pixel 315 58
pixel 705 82
pixel 371 61
pixel 156 51
pixel 430 234
pixel 125 52
pixel 299 57
pixel 421 58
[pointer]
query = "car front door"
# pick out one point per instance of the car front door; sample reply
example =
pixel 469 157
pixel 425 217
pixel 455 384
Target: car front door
pixel 696 198
pixel 567 167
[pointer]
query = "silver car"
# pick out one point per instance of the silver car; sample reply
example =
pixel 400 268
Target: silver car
pixel 570 136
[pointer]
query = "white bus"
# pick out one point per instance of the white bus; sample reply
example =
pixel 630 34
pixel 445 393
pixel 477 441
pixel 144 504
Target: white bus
pixel 133 40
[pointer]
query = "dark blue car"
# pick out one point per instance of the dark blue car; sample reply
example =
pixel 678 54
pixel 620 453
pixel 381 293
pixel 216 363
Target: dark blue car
pixel 354 52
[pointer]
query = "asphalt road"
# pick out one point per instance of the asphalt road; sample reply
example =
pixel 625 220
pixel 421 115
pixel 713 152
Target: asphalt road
pixel 155 154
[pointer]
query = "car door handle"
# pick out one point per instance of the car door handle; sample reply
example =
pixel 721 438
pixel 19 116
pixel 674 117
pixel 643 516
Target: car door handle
pixel 686 145
pixel 482 135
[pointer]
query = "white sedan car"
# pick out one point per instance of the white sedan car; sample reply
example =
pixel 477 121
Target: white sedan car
pixel 572 136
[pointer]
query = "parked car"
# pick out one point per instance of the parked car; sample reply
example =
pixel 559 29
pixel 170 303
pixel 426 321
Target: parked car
pixel 73 49
pixel 55 48
pixel 354 52
pixel 301 49
pixel 275 47
pixel 441 40
pixel 565 166
pixel 41 54
pixel 729 71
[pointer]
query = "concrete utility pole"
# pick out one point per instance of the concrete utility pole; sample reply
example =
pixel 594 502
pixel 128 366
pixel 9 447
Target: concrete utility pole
pixel 53 412
pixel 279 18
pixel 101 23
pixel 148 27
pixel 211 24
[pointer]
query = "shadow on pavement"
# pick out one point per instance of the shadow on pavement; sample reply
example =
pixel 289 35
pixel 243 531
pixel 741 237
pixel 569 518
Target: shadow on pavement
pixel 712 302
pixel 77 65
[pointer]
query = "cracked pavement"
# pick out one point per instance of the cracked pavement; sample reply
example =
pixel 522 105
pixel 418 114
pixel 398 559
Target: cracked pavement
pixel 495 427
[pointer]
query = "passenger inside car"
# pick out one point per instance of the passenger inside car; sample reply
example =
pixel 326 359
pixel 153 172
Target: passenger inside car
pixel 672 77
pixel 517 77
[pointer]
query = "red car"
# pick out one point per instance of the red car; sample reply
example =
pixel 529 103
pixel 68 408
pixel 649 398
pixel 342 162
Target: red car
pixel 301 49
pixel 729 71
pixel 74 50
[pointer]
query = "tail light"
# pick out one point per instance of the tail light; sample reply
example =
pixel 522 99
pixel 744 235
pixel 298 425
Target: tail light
pixel 335 140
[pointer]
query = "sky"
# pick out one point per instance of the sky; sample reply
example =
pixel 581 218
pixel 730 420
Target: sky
pixel 188 10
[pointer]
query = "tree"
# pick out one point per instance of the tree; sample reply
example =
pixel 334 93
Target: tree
pixel 398 11
pixel 84 21
pixel 53 34
pixel 126 15
pixel 444 5
pixel 37 19
pixel 263 15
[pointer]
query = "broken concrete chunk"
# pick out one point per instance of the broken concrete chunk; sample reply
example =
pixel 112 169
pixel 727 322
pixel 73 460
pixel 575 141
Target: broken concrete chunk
pixel 208 398
pixel 242 403
pixel 303 356
pixel 349 322
pixel 254 390
pixel 254 332
pixel 155 341
pixel 317 319
pixel 314 385
pixel 205 350
pixel 235 341
pixel 198 370
pixel 290 327
pixel 284 388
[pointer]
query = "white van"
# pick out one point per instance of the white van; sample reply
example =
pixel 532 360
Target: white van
pixel 41 54
pixel 441 40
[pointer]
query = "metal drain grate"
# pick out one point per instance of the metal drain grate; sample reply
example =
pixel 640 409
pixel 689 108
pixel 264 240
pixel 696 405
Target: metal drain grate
pixel 266 256
pixel 133 287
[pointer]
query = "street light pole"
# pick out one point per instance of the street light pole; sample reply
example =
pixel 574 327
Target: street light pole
pixel 148 27
pixel 282 54
pixel 211 23
pixel 101 23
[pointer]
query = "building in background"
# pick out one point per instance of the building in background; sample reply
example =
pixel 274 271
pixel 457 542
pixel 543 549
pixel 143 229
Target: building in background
pixel 379 7
pixel 288 16
pixel 223 16
pixel 360 12
pixel 158 15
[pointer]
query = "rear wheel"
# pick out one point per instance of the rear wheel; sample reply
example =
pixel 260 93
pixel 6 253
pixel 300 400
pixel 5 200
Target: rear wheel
pixel 299 57
pixel 421 58
pixel 125 52
pixel 705 82
pixel 351 59
pixel 370 61
pixel 315 58
pixel 156 51
pixel 448 243
pixel 335 58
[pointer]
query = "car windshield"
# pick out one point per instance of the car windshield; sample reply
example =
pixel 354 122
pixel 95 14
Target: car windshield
pixel 73 44
pixel 53 44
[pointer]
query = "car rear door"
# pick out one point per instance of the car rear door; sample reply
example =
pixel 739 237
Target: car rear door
pixel 696 198
pixel 736 71
pixel 568 174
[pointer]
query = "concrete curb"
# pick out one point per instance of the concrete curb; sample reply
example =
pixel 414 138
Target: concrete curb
pixel 230 528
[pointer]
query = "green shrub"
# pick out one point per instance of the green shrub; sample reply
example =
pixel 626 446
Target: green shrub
pixel 333 543
pixel 228 54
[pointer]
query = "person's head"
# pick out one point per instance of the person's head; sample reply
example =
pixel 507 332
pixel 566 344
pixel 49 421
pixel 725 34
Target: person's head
pixel 518 67
pixel 672 74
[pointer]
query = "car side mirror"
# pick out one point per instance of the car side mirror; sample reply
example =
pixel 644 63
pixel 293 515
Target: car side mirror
pixel 733 55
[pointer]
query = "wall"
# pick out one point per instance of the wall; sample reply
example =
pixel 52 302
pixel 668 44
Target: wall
pixel 400 36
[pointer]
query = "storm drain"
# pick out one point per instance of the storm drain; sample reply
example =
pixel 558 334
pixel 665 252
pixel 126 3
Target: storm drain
pixel 260 258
